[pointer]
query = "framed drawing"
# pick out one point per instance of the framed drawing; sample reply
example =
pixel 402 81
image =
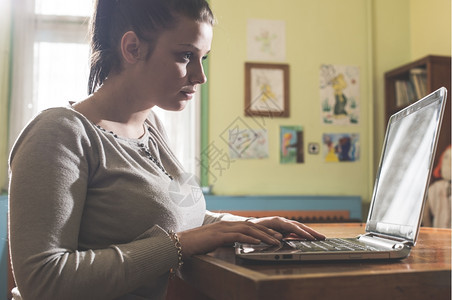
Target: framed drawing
pixel 267 90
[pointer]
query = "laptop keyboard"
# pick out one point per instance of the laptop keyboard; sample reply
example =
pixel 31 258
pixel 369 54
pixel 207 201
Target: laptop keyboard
pixel 334 244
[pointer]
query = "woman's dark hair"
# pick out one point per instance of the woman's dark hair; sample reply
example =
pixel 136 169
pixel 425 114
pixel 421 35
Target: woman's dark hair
pixel 147 18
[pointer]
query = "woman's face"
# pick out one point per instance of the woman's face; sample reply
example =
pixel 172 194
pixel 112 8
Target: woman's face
pixel 170 77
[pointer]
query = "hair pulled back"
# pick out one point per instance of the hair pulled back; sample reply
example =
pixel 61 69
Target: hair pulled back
pixel 147 18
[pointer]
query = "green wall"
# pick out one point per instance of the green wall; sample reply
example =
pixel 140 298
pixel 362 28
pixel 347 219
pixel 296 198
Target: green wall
pixel 5 20
pixel 403 31
pixel 375 35
pixel 317 32
pixel 430 23
pixel 391 44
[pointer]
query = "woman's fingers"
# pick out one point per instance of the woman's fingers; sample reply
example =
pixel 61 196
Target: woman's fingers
pixel 290 226
pixel 257 231
pixel 314 233
pixel 301 230
pixel 209 237
pixel 267 230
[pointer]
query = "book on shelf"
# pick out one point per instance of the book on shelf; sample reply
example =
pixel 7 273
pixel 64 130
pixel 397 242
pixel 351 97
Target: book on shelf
pixel 418 76
pixel 409 91
pixel 405 93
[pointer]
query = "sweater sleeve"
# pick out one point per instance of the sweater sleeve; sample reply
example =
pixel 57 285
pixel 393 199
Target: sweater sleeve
pixel 212 217
pixel 49 173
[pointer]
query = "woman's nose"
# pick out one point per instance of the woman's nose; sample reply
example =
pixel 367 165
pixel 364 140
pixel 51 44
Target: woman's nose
pixel 197 75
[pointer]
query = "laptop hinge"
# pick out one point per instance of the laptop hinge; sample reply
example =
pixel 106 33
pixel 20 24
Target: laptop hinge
pixel 383 241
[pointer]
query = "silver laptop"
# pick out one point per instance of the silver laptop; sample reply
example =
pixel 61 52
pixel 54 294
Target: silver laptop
pixel 398 198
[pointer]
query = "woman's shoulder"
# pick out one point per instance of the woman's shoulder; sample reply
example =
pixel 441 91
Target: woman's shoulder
pixel 62 124
pixel 50 129
pixel 58 119
pixel 60 113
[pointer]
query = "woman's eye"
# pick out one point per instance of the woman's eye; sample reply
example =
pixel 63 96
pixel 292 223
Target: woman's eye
pixel 187 56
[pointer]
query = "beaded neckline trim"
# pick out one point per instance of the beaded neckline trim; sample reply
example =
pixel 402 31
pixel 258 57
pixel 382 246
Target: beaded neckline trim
pixel 146 151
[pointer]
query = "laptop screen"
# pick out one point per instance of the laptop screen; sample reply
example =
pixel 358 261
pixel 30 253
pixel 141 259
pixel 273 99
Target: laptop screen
pixel 405 167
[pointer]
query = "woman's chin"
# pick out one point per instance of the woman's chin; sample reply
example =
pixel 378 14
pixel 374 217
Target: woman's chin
pixel 179 106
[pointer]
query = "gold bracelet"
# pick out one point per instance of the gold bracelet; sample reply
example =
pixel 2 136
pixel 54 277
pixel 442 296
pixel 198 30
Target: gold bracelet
pixel 178 246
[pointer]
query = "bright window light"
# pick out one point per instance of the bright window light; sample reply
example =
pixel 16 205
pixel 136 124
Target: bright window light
pixel 68 8
pixel 61 73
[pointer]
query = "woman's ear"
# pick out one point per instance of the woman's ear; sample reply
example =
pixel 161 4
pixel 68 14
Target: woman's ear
pixel 131 47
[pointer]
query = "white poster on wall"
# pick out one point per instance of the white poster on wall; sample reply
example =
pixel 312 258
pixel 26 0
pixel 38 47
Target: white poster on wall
pixel 266 40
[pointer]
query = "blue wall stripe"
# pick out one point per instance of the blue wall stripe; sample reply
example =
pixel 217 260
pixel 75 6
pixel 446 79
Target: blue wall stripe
pixel 3 246
pixel 225 203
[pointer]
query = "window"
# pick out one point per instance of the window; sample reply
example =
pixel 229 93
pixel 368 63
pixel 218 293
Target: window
pixel 65 8
pixel 50 68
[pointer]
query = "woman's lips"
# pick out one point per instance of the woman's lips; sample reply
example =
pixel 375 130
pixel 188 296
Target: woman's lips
pixel 188 93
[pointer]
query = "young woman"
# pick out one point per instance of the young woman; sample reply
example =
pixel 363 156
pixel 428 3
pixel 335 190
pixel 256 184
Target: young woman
pixel 91 210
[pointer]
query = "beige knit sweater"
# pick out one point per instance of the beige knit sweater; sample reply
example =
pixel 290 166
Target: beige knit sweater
pixel 90 211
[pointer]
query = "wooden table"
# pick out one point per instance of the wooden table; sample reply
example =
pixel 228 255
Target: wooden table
pixel 425 274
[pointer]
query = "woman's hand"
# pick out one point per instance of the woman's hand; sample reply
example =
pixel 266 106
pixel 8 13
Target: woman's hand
pixel 285 227
pixel 254 231
pixel 209 237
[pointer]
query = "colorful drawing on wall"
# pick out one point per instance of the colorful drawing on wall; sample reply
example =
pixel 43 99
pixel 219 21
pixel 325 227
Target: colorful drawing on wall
pixel 292 150
pixel 248 143
pixel 341 147
pixel 267 90
pixel 339 94
pixel 266 40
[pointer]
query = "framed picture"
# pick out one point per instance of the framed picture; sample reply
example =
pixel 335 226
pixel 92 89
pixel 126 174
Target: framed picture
pixel 267 90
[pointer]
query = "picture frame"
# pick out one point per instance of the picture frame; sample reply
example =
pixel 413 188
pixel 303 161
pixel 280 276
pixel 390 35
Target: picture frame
pixel 267 90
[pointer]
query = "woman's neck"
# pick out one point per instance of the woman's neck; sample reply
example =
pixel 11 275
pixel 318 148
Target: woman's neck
pixel 112 108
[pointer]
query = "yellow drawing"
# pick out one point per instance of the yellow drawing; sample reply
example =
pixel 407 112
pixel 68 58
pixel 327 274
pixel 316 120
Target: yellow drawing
pixel 266 92
pixel 339 86
pixel 331 154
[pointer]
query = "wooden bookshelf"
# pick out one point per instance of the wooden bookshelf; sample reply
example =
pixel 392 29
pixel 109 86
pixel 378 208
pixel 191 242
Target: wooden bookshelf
pixel 436 72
